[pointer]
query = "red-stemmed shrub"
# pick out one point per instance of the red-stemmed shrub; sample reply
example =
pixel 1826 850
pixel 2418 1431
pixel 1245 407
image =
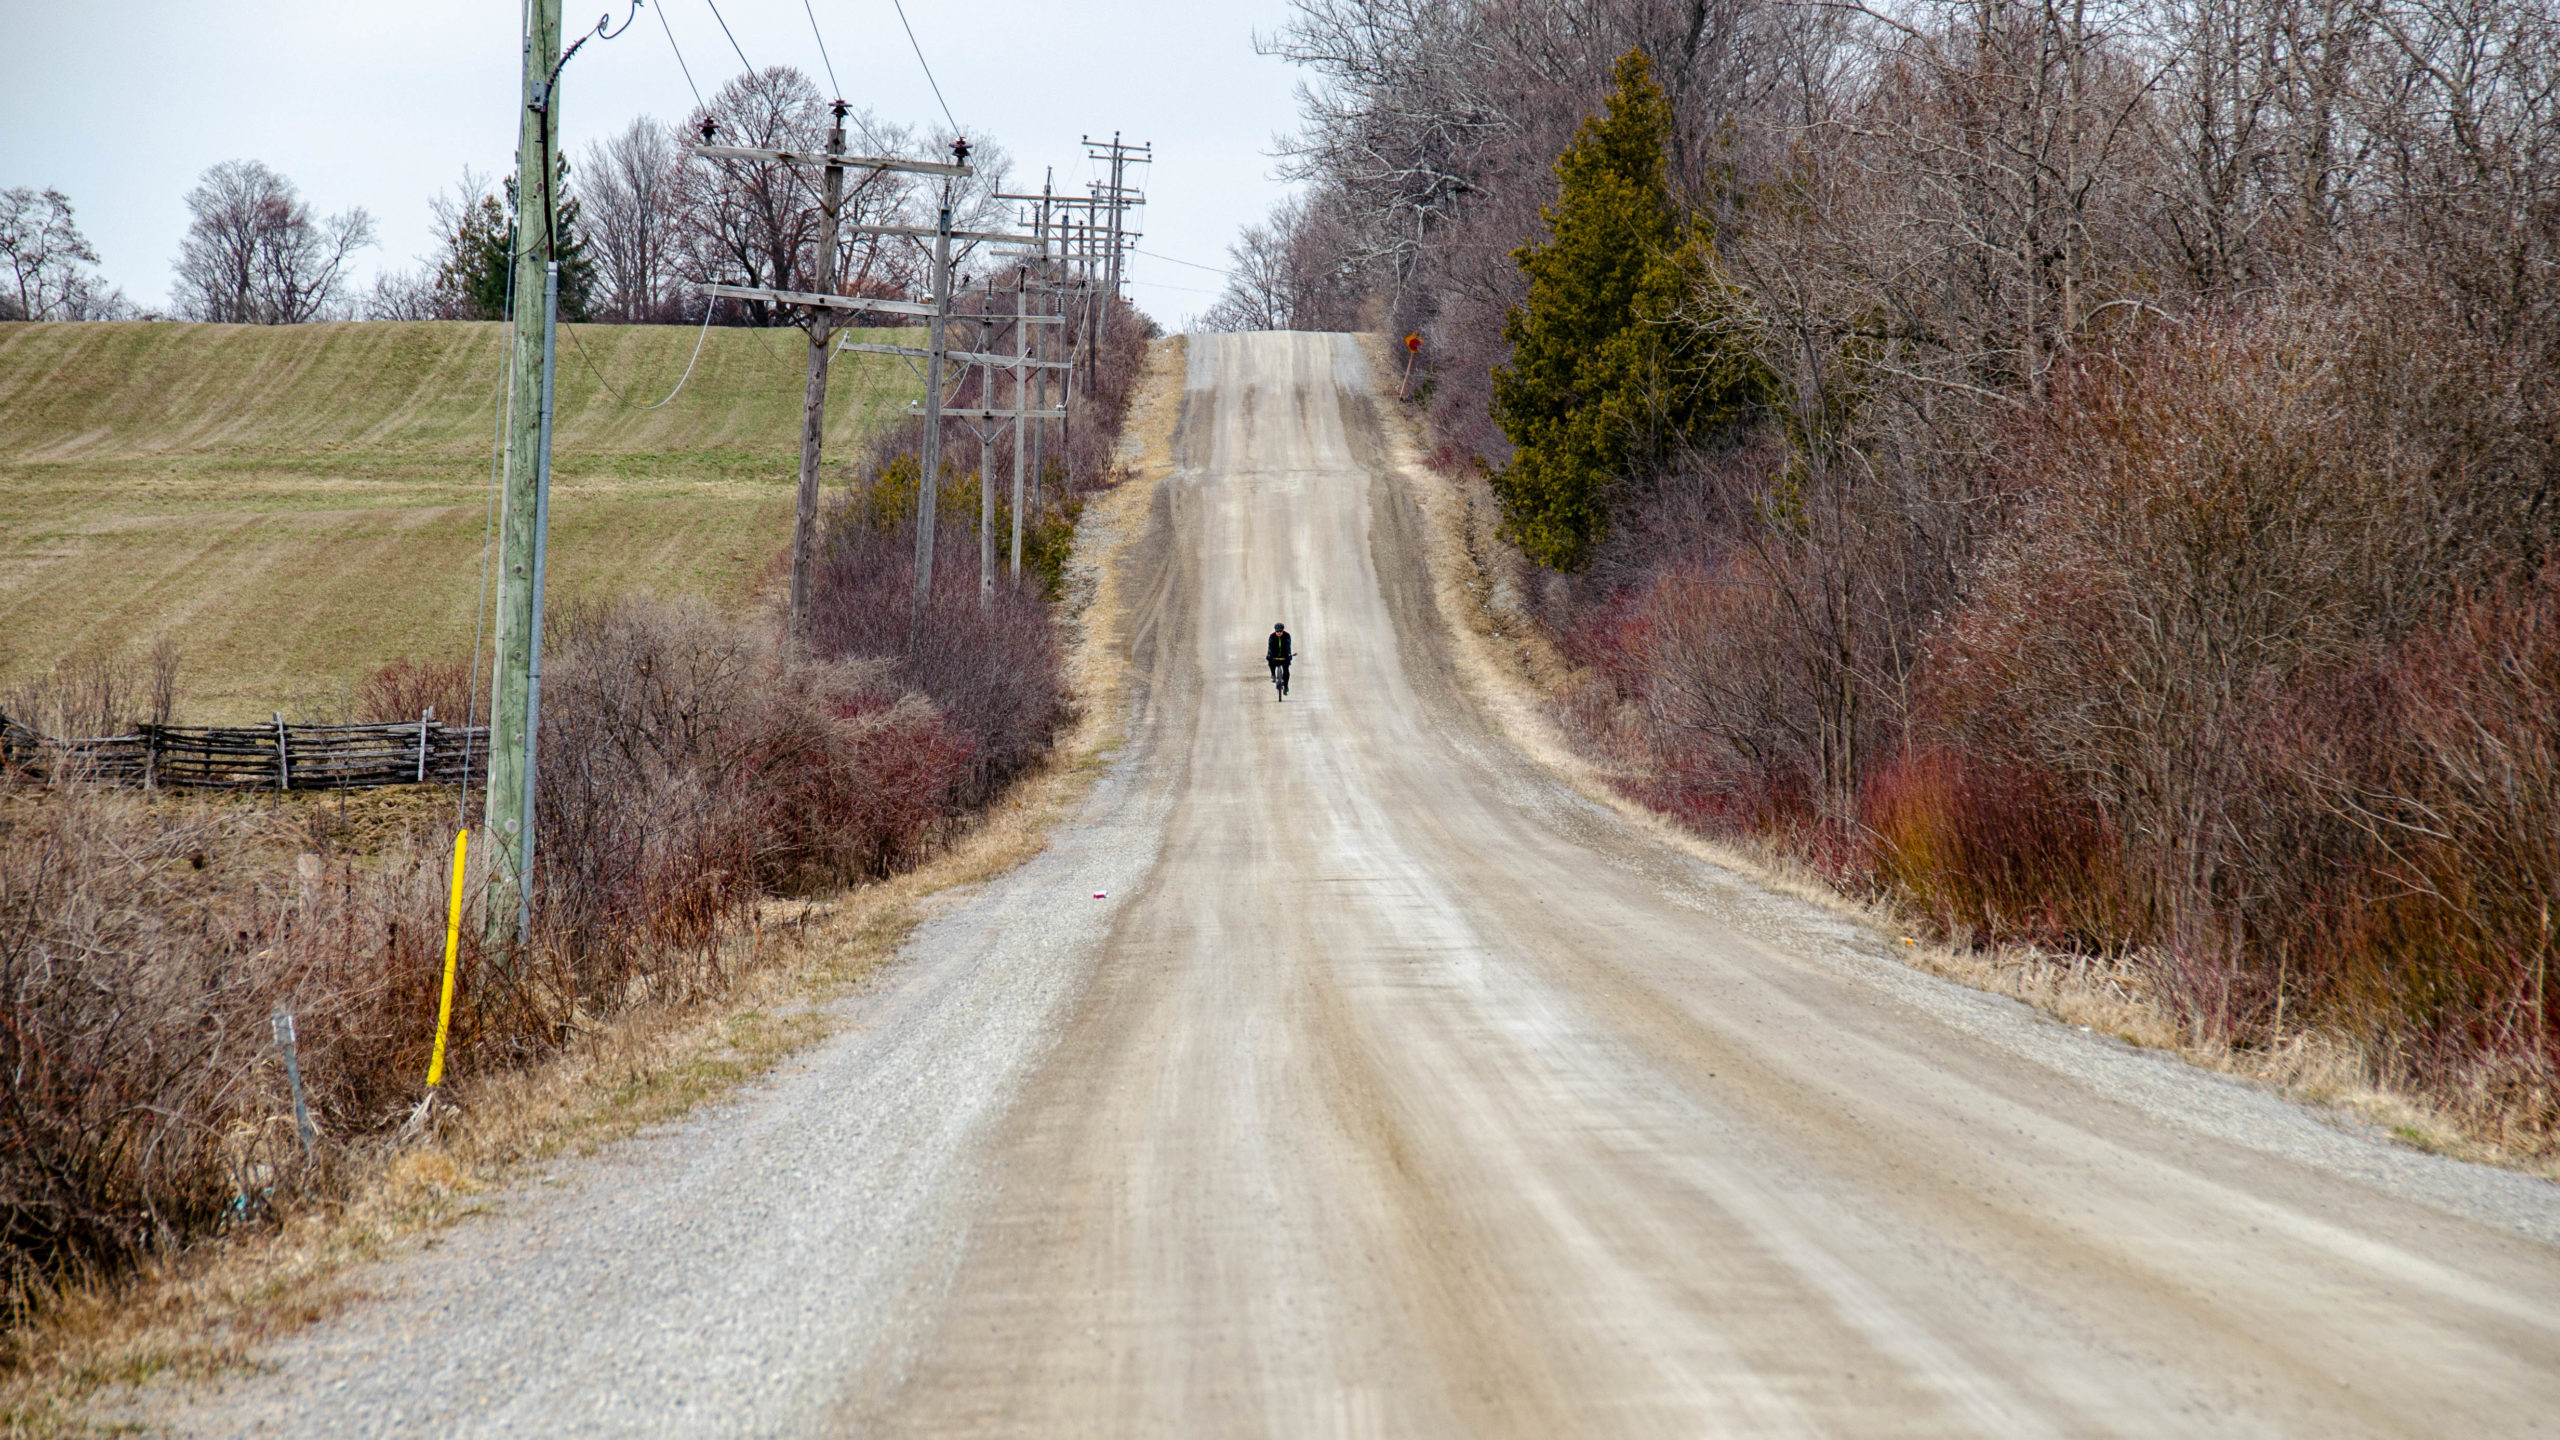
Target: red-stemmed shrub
pixel 406 689
pixel 1995 853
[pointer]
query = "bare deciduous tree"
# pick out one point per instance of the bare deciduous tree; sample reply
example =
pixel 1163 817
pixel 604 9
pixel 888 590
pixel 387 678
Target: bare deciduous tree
pixel 633 206
pixel 254 254
pixel 49 260
pixel 1290 273
pixel 404 295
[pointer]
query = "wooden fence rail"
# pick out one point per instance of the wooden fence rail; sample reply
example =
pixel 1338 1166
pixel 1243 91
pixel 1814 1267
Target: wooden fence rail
pixel 278 756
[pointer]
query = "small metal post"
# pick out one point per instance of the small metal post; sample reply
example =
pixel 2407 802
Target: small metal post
pixel 282 1021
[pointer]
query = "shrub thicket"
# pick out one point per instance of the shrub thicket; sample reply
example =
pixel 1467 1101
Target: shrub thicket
pixel 145 940
pixel 2145 543
pixel 689 771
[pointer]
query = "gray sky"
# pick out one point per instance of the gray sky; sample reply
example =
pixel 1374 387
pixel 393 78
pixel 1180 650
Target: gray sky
pixel 366 103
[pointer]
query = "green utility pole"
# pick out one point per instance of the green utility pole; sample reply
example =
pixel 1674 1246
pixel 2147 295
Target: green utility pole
pixel 511 689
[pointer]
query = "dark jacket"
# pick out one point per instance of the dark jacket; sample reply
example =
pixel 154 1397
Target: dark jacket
pixel 1277 652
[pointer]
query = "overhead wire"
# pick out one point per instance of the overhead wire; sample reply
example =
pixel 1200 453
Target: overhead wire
pixel 680 65
pixel 859 122
pixel 823 56
pixel 927 65
pixel 733 39
pixel 708 306
pixel 1194 264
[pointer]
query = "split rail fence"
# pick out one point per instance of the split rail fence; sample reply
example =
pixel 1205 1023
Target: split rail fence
pixel 277 756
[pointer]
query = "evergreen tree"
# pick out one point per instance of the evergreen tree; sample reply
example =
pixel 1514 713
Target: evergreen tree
pixel 1613 364
pixel 577 264
pixel 472 277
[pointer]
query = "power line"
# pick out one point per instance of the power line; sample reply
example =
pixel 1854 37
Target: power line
pixel 680 65
pixel 859 122
pixel 822 49
pixel 928 68
pixel 733 39
pixel 580 346
pixel 1194 264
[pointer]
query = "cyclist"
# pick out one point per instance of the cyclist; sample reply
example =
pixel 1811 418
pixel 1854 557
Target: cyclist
pixel 1277 652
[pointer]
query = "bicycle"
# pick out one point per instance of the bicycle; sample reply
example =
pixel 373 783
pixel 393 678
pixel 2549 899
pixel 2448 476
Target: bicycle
pixel 1280 676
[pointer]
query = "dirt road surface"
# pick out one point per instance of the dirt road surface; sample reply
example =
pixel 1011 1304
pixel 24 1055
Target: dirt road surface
pixel 1397 1090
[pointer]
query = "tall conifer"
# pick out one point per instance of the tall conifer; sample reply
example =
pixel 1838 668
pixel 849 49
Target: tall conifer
pixel 1610 365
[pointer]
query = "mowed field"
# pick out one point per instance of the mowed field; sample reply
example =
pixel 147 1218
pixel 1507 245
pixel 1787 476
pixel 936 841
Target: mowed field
pixel 298 505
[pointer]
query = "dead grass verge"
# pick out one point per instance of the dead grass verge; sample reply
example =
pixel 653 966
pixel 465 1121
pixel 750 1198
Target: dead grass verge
pixel 208 1310
pixel 1517 674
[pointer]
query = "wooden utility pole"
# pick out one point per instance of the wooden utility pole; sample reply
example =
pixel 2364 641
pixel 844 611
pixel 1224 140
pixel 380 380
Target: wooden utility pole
pixel 813 406
pixel 1119 197
pixel 1040 432
pixel 1089 254
pixel 1021 367
pixel 512 718
pixel 937 357
pixel 820 302
pixel 930 480
pixel 986 494
pixel 1052 257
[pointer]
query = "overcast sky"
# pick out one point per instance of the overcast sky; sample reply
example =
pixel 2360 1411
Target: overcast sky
pixel 375 104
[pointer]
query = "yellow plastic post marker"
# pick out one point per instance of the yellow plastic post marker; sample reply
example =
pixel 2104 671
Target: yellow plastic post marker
pixel 452 948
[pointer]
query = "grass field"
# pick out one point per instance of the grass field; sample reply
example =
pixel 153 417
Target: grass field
pixel 297 505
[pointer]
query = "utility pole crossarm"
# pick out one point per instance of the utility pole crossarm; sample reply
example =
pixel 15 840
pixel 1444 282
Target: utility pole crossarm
pixel 820 157
pixel 927 232
pixel 971 356
pixel 830 302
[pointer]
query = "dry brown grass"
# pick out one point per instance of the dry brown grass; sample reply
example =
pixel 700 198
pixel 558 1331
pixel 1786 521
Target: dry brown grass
pixel 1519 676
pixel 208 1310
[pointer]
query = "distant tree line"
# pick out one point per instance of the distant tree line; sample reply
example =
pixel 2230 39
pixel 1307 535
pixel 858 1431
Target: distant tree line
pixel 643 228
pixel 646 225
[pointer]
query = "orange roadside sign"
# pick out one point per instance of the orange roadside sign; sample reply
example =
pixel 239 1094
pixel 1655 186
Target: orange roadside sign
pixel 1413 342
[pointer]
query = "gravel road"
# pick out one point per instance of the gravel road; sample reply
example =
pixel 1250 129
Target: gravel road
pixel 1397 1090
